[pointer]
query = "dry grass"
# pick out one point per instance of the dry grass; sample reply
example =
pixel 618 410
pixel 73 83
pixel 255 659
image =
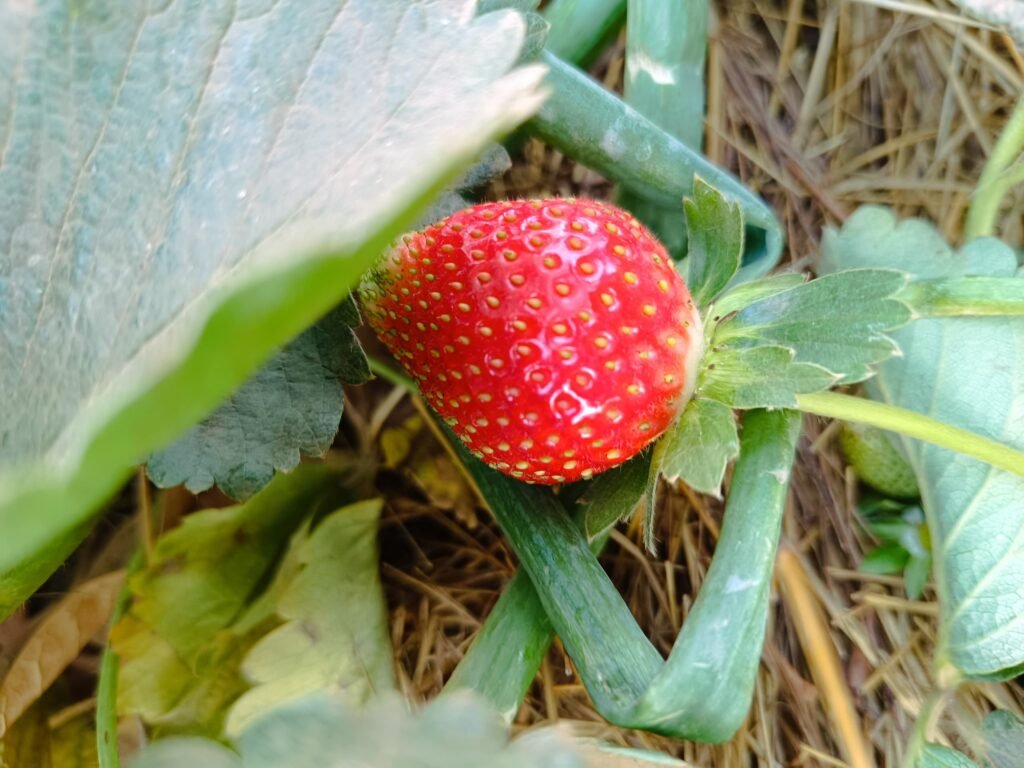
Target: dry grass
pixel 821 107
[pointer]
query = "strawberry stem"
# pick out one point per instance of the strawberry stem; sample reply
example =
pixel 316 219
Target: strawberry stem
pixel 965 296
pixel 860 410
pixel 579 27
pixel 601 131
pixel 387 373
pixel 666 44
pixel 1002 172
pixel 704 689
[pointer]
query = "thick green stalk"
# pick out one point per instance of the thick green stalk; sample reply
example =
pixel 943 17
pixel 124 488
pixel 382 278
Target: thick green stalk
pixel 834 405
pixel 601 131
pixel 704 689
pixel 504 658
pixel 999 176
pixel 666 45
pixel 965 296
pixel 580 27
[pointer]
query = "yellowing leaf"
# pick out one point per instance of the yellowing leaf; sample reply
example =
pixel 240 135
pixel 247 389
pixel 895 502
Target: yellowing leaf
pixel 459 730
pixel 335 637
pixel 177 642
pixel 73 742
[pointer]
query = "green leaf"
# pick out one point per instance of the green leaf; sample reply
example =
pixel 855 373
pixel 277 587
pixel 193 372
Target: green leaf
pixel 455 731
pixel 746 294
pixel 968 372
pixel 759 377
pixel 915 575
pixel 186 191
pixel 614 495
pixel 178 647
pixel 885 560
pixel 839 321
pixel 335 636
pixel 699 446
pixel 291 406
pixel 938 756
pixel 714 224
pixel 1004 739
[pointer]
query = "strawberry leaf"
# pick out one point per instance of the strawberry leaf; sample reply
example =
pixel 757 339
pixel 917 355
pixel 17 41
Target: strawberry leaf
pixel 1004 739
pixel 746 294
pixel 185 192
pixel 715 241
pixel 938 756
pixel 340 644
pixel 839 322
pixel 291 406
pixel 759 377
pixel 968 372
pixel 614 495
pixel 182 639
pixel 699 447
pixel 455 731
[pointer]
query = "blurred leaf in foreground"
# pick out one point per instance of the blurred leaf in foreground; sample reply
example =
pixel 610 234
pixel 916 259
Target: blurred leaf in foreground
pixel 455 731
pixel 186 189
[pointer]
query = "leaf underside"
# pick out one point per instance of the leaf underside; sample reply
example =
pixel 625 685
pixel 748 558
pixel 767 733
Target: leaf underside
pixel 715 241
pixel 187 190
pixel 968 372
pixel 699 447
pixel 454 731
pixel 291 406
pixel 614 495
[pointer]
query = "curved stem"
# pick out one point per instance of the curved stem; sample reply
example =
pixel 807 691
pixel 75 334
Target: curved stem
pixel 834 405
pixel 704 689
pixel 578 27
pixel 995 181
pixel 388 373
pixel 931 708
pixel 666 45
pixel 602 132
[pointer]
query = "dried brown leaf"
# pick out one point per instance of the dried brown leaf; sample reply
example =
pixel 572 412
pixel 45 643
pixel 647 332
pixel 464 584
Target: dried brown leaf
pixel 55 643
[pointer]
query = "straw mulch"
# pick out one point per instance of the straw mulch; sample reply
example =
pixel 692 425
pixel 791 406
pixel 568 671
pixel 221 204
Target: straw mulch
pixel 821 106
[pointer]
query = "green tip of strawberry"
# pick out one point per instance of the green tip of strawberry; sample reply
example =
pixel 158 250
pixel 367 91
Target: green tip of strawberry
pixel 555 337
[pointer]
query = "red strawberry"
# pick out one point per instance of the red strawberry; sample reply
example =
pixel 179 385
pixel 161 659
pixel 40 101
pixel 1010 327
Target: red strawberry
pixel 554 336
